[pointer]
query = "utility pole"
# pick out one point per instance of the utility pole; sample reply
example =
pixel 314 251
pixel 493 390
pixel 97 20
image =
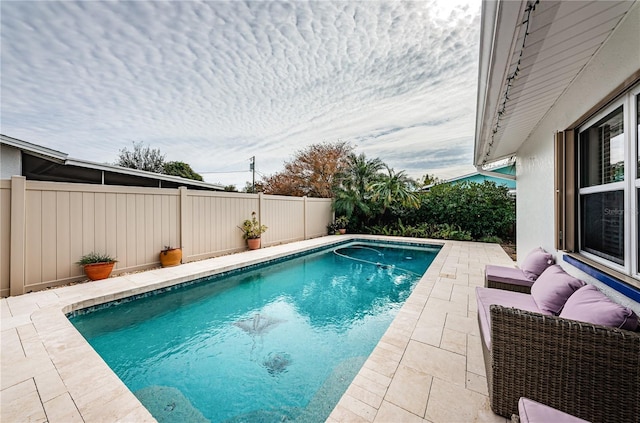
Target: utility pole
pixel 252 167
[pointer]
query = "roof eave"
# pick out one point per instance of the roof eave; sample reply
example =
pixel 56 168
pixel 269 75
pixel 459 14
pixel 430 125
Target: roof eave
pixel 498 34
pixel 37 150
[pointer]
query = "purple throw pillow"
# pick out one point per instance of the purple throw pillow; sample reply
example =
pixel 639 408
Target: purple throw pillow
pixel 590 305
pixel 552 289
pixel 535 263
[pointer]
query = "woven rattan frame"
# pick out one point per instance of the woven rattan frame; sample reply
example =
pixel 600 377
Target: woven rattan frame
pixel 588 371
pixel 507 286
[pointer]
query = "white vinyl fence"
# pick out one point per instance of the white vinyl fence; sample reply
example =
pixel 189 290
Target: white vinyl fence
pixel 45 227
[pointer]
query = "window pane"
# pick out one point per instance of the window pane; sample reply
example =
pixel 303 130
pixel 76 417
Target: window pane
pixel 602 151
pixel 638 136
pixel 602 228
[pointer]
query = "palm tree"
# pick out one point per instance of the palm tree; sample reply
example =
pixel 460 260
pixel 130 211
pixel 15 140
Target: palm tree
pixel 347 202
pixel 394 188
pixel 361 172
pixel 352 197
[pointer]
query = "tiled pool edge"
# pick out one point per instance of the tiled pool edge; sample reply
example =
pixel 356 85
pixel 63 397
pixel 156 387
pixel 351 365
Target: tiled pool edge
pixel 390 348
pixel 71 380
pixel 397 383
pixel 229 271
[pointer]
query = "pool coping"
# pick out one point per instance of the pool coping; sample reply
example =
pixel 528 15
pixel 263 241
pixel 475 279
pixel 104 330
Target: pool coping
pixel 96 391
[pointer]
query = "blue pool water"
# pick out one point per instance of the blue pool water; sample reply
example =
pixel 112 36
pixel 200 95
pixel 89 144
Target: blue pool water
pixel 280 342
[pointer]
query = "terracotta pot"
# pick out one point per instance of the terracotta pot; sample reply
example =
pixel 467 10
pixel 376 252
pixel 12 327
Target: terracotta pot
pixel 342 231
pixel 97 271
pixel 253 243
pixel 170 257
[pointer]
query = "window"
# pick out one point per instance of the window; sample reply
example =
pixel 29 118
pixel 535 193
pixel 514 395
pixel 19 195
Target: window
pixel 602 151
pixel 608 153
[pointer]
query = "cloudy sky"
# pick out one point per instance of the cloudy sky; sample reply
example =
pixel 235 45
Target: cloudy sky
pixel 213 83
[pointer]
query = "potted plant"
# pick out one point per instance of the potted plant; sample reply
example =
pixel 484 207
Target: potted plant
pixel 170 256
pixel 97 266
pixel 342 223
pixel 252 231
pixel 332 228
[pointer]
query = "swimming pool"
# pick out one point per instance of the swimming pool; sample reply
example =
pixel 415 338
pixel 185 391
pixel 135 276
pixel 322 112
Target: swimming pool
pixel 277 342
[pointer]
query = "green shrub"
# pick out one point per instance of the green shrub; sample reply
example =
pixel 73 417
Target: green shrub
pixel 482 209
pixel 332 228
pixel 492 238
pixel 422 230
pixel 446 231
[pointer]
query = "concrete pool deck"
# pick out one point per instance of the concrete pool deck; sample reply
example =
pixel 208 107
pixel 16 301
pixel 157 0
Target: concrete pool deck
pixel 427 367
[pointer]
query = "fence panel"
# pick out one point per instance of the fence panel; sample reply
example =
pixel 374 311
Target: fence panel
pixel 284 217
pixel 5 236
pixel 212 225
pixel 319 215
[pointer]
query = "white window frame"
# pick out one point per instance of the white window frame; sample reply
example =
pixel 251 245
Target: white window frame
pixel 630 185
pixel 634 181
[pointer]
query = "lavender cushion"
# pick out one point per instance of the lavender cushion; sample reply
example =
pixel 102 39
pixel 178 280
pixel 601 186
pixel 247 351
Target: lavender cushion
pixel 590 305
pixel 535 263
pixel 487 296
pixel 509 275
pixel 533 412
pixel 552 289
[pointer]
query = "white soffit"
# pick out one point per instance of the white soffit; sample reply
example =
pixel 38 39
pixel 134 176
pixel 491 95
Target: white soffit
pixel 562 37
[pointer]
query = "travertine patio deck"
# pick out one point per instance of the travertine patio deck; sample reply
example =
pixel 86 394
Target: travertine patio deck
pixel 428 366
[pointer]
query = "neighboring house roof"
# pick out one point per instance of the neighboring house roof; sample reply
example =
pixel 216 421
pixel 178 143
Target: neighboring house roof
pixel 501 175
pixel 507 171
pixel 45 164
pixel 528 58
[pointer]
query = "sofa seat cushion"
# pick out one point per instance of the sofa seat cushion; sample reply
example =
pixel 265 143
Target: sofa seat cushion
pixel 534 412
pixel 510 275
pixel 488 296
pixel 590 305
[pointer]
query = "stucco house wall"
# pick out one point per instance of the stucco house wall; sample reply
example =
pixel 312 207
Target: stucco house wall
pixel 618 58
pixel 10 161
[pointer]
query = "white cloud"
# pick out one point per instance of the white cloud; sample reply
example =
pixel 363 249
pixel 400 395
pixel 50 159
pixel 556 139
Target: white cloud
pixel 214 83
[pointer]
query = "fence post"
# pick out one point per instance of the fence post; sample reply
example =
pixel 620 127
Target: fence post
pixel 261 209
pixel 305 217
pixel 18 235
pixel 260 206
pixel 184 240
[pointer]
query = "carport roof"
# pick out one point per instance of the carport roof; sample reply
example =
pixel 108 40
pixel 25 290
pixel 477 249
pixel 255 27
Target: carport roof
pixel 45 164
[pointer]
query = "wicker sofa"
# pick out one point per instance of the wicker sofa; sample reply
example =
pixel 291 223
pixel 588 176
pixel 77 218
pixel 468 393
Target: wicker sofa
pixel 518 279
pixel 509 278
pixel 586 370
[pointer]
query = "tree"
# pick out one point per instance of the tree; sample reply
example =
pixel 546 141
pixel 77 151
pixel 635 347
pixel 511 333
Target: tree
pixel 360 173
pixel 352 196
pixel 141 158
pixel 312 172
pixel 182 170
pixel 394 189
pixel 284 183
pixel 350 203
pixel 150 159
pixel 427 180
pixel 230 188
pixel 248 188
